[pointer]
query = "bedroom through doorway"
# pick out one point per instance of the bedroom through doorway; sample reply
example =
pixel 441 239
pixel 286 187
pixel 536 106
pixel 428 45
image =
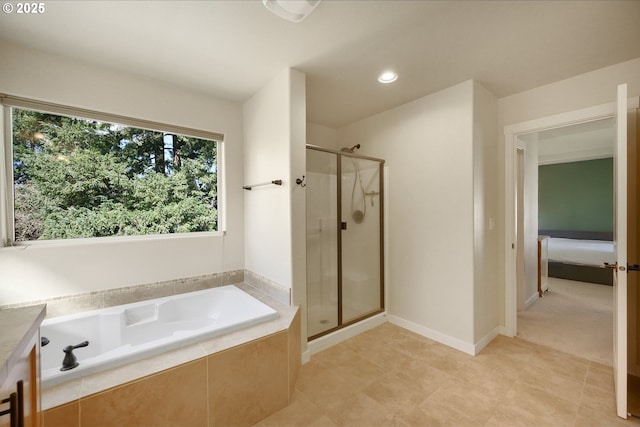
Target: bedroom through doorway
pixel 565 216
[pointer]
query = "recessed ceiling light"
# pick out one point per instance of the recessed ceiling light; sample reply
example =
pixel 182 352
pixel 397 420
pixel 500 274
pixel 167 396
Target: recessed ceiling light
pixel 291 10
pixel 388 77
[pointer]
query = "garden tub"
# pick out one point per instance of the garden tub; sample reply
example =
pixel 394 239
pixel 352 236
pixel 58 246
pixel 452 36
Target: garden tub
pixel 125 333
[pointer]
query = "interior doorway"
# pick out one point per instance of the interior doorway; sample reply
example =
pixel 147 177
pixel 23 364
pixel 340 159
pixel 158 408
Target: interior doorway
pixel 513 137
pixel 625 310
pixel 564 204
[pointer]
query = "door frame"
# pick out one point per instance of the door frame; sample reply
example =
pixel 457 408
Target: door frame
pixel 511 133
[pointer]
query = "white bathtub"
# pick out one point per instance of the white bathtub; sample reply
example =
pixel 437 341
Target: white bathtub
pixel 122 334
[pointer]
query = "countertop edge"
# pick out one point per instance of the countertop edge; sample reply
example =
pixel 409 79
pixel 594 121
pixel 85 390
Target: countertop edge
pixel 27 321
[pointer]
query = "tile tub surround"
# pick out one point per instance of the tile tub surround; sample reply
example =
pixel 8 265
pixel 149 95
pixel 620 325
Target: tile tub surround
pixel 71 304
pixel 268 286
pixel 270 355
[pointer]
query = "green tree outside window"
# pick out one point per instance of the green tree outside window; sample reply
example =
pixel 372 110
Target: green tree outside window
pixel 76 178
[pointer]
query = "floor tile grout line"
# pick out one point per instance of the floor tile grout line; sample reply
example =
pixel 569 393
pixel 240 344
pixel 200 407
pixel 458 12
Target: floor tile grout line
pixel 584 385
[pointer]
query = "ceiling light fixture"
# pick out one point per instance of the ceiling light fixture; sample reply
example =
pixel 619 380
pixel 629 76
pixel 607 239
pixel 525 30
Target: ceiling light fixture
pixel 291 10
pixel 388 77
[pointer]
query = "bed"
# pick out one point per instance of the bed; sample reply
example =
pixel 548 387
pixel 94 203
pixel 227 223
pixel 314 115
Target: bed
pixel 580 255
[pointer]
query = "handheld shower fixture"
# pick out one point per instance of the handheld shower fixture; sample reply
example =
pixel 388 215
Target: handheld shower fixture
pixel 356 214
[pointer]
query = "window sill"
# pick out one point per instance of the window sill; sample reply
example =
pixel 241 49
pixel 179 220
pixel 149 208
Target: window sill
pixel 90 241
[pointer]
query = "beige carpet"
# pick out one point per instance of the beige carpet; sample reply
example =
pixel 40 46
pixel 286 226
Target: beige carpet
pixel 574 317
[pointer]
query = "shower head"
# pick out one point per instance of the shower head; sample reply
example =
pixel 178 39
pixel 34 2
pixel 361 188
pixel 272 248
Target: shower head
pixel 350 150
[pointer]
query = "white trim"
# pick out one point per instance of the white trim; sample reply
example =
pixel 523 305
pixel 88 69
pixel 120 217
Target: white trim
pixel 65 110
pixel 595 154
pixel 477 347
pixel 6 176
pixel 337 337
pixel 115 239
pixel 343 334
pixel 7 220
pixel 533 298
pixel 583 115
pixel 620 319
pixel 511 132
pixel 434 335
pixel 510 295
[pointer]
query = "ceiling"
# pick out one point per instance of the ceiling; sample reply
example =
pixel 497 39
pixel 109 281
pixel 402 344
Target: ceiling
pixel 574 143
pixel 230 49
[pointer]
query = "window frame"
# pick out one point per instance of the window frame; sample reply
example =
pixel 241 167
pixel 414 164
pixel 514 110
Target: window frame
pixel 7 199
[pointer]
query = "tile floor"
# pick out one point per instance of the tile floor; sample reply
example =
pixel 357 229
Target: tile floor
pixel 389 376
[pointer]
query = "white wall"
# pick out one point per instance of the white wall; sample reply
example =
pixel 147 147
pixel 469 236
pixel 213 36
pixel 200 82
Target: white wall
pixel 487 290
pixel 297 168
pixel 54 270
pixel 275 135
pixel 427 145
pixel 322 136
pixel 582 91
pixel 274 128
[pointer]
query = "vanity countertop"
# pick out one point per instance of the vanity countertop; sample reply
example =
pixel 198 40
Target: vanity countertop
pixel 17 328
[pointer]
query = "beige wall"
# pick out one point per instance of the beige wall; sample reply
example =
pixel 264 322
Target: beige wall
pixel 322 136
pixel 427 145
pixel 582 91
pixel 267 157
pixel 50 270
pixel 275 134
pixel 297 169
pixel 485 201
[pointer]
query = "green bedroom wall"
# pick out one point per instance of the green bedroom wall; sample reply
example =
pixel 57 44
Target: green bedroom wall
pixel 576 196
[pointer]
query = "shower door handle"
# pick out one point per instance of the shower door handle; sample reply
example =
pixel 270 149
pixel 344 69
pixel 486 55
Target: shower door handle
pixel 343 225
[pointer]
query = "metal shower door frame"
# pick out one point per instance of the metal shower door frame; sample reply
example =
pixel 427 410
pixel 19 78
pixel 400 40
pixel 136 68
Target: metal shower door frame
pixel 380 162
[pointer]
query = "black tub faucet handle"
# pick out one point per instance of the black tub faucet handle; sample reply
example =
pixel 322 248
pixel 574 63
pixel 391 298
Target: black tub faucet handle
pixel 70 361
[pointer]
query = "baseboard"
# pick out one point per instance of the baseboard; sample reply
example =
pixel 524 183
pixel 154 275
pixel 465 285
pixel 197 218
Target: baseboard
pixel 533 298
pixel 337 337
pixel 434 335
pixel 477 347
pixel 343 334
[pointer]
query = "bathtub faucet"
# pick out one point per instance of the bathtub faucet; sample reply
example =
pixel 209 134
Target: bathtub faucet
pixel 70 361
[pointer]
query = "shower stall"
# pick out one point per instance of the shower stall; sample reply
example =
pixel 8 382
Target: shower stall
pixel 345 259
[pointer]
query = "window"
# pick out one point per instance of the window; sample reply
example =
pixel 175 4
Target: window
pixel 76 177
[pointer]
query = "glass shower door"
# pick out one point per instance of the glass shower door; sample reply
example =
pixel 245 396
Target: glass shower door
pixel 360 246
pixel 344 239
pixel 322 242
